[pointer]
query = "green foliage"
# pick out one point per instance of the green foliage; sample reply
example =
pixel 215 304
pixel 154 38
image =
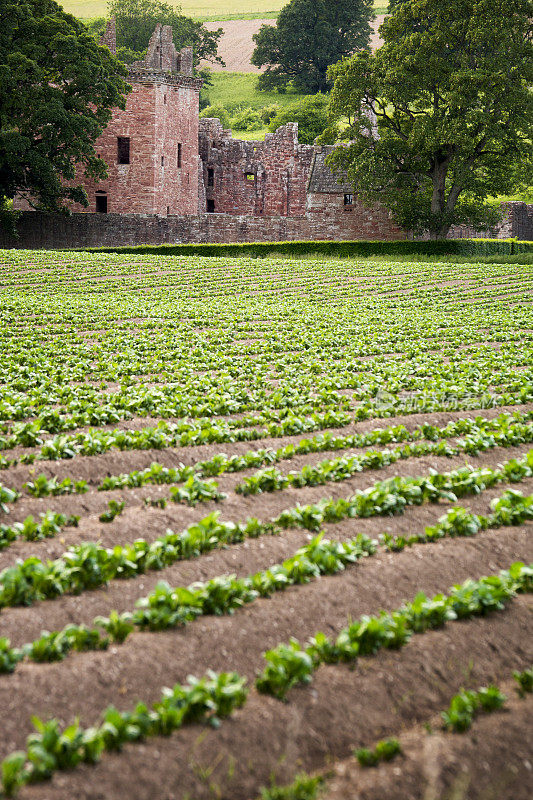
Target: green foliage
pixel 248 119
pixel 269 112
pixel 466 704
pixel 46 487
pixel 118 626
pixel 449 89
pixel 136 21
pixel 9 657
pixel 196 491
pixel 216 112
pixel 50 749
pixel 114 509
pixel 234 90
pixel 524 680
pixel 57 90
pixel 168 607
pixel 345 249
pixel 304 787
pixel 385 750
pixel 289 665
pixel 311 114
pixel 309 35
pixel 7 496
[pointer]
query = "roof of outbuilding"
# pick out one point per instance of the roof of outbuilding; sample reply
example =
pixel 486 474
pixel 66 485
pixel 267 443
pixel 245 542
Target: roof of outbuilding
pixel 323 181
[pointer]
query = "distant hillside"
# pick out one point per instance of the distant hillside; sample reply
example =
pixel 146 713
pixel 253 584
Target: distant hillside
pixel 236 46
pixel 85 9
pixel 216 9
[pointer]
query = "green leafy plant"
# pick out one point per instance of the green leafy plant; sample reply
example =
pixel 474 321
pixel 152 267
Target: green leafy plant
pixel 466 704
pixel 114 509
pixel 524 680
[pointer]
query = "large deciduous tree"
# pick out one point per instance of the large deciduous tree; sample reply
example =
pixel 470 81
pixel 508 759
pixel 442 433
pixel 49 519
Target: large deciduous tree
pixel 441 115
pixel 309 35
pixel 57 90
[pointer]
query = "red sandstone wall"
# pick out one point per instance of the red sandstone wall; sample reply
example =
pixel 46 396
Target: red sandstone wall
pixel 157 117
pixel 176 122
pixel 280 167
pixel 92 230
pixel 327 212
pixel 130 187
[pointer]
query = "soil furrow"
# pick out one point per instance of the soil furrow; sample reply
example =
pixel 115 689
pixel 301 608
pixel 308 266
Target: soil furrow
pixel 140 521
pixel 147 661
pixel 342 709
pixel 22 624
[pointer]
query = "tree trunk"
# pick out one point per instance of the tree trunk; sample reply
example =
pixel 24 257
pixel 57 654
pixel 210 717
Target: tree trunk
pixel 440 233
pixel 438 198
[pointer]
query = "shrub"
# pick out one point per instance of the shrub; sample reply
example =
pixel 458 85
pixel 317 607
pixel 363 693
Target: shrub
pixel 216 112
pixel 248 119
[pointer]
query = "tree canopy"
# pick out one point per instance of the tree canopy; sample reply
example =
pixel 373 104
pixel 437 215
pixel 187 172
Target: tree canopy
pixel 57 90
pixel 440 117
pixel 309 35
pixel 311 114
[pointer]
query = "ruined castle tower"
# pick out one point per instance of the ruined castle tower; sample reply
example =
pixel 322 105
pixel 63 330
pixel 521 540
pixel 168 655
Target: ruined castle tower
pixel 151 147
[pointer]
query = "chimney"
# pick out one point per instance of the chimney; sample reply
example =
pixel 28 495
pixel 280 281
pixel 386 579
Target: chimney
pixel 109 39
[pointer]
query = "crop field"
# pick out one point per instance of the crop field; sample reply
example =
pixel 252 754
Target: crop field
pixel 265 523
pixel 192 8
pixel 201 9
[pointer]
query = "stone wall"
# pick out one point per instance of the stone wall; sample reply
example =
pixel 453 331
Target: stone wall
pixel 327 211
pixel 258 177
pixel 158 118
pixel 517 223
pixel 159 128
pixel 49 231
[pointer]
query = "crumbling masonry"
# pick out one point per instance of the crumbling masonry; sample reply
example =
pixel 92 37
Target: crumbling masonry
pixel 173 177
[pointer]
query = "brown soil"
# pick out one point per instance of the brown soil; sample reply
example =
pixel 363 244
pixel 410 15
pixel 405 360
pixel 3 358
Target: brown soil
pixel 491 760
pixel 94 468
pixel 391 694
pixel 23 624
pixel 341 709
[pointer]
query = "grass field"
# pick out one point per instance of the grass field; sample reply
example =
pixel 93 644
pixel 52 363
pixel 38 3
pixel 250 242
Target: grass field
pixel 238 88
pixel 213 9
pixel 250 470
pixel 233 88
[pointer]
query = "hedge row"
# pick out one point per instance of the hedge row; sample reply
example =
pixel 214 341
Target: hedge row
pixel 463 247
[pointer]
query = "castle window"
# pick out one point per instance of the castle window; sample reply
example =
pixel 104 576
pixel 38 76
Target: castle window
pixel 164 99
pixel 210 176
pixel 162 161
pixel 168 210
pixel 348 199
pixel 210 203
pixel 179 155
pixel 101 202
pixel 123 149
pixel 250 176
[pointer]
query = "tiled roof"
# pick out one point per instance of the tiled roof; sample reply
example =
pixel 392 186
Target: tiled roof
pixel 323 181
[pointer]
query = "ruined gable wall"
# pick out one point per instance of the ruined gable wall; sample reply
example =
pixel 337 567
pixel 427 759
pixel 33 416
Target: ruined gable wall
pixel 277 170
pixel 161 122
